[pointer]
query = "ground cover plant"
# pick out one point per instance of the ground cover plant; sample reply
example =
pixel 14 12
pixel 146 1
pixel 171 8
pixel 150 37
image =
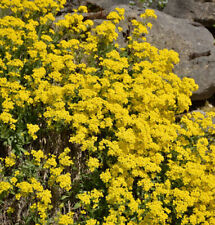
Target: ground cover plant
pixel 88 133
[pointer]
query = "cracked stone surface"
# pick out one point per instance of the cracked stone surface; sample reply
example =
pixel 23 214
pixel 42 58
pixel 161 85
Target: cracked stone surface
pixel 202 11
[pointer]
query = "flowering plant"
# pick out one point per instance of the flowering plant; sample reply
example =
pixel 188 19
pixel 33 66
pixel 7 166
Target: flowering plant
pixel 87 128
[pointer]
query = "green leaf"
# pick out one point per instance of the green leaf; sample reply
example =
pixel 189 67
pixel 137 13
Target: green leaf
pixel 77 205
pixel 64 197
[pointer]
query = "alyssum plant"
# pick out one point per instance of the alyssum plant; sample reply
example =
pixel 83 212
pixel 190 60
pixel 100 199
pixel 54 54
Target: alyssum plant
pixel 87 129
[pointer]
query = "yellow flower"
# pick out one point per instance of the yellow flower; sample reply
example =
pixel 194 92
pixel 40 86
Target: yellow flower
pixel 13 180
pixel 38 155
pixel 93 163
pixel 121 11
pixel 105 176
pixel 45 196
pixel 91 222
pixel 148 13
pixel 11 160
pixel 25 187
pixel 56 171
pixel 18 196
pixel 36 185
pixel 32 129
pixel 16 173
pixel 114 16
pixel 149 25
pixel 7 118
pixel 10 210
pixel 66 219
pixel 82 9
pixel 64 181
pixel 4 186
pixel 50 162
pixel 46 38
pixel 64 159
pixel 85 198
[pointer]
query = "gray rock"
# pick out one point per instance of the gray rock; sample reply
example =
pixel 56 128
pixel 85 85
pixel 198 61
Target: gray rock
pixel 107 4
pixel 202 11
pixel 194 43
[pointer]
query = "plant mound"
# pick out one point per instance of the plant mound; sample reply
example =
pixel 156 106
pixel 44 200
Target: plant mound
pixel 88 131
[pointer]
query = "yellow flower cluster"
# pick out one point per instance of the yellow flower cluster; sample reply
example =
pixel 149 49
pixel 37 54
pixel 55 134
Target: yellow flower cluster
pixel 38 155
pixel 4 186
pixel 70 79
pixel 64 159
pixel 91 197
pixel 66 219
pixel 64 181
pixel 32 129
pixel 93 163
pixel 116 16
pixel 11 160
pixel 23 186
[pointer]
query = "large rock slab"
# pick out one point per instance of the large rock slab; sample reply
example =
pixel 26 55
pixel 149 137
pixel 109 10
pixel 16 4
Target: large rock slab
pixel 194 43
pixel 106 4
pixel 202 11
